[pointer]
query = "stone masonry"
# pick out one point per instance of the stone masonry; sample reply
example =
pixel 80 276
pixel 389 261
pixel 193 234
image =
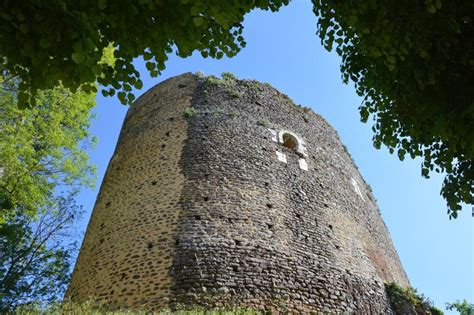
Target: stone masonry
pixel 222 193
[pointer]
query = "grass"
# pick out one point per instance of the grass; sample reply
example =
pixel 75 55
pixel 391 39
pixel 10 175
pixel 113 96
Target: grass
pixel 95 308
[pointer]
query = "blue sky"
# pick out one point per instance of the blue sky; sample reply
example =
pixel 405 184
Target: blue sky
pixel 283 50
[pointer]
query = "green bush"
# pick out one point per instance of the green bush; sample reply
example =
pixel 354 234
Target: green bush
pixel 228 76
pixel 407 300
pixel 190 112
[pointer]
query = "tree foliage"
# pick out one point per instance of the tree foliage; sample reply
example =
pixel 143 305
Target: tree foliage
pixel 463 307
pixel 413 63
pixel 36 254
pixel 409 301
pixel 42 148
pixel 63 41
pixel 43 163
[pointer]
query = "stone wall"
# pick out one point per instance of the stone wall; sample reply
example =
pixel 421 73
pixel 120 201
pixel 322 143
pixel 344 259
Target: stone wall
pixel 202 210
pixel 127 251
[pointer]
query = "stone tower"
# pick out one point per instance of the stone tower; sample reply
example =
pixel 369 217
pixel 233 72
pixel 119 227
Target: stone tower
pixel 223 192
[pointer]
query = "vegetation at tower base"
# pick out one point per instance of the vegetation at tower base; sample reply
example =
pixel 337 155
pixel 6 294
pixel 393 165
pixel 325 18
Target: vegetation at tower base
pixel 96 308
pixel 406 301
pixel 43 163
pixel 413 63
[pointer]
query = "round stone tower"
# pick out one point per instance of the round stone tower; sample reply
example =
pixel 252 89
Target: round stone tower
pixel 222 193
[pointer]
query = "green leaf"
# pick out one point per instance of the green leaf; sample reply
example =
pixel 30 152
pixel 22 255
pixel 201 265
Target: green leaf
pixel 138 84
pixel 77 57
pixel 150 66
pixel 401 154
pixel 198 21
pixel 425 172
pixel 431 8
pixel 121 96
pixel 101 4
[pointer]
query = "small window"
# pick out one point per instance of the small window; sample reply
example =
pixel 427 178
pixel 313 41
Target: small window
pixel 290 141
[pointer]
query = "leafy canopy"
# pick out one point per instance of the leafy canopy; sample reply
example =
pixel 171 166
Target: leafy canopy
pixel 413 63
pixel 43 163
pixel 42 148
pixel 463 307
pixel 48 42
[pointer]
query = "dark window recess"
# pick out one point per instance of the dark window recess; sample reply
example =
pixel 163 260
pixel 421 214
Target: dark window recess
pixel 270 226
pixel 298 215
pixel 101 240
pixel 269 205
pixel 176 242
pixel 206 198
pixel 290 141
pixel 154 183
pixel 237 242
pixel 181 85
pixel 330 226
pixel 107 204
pixel 235 268
pixel 197 217
pixel 171 119
pixel 266 184
pixel 163 146
pixel 150 245
pixel 167 133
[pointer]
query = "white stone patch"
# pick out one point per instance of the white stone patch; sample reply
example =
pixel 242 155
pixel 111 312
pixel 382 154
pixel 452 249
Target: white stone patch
pixel 357 189
pixel 274 135
pixel 303 165
pixel 281 156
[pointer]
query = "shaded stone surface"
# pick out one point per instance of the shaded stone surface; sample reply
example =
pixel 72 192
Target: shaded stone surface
pixel 201 211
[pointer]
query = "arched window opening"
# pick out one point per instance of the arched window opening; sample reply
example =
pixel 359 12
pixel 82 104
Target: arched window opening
pixel 290 141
